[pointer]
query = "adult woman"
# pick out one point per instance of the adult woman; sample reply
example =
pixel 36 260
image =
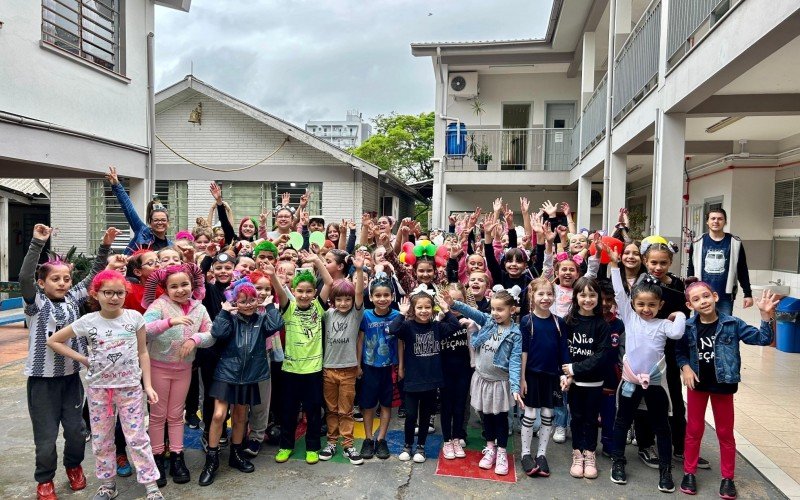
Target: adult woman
pixel 152 234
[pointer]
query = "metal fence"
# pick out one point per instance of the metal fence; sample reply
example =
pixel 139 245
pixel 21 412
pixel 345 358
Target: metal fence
pixel 575 144
pixel 686 18
pixel 593 122
pixel 636 65
pixel 514 149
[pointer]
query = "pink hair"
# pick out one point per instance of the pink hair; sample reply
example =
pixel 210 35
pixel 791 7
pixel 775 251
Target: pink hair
pixel 107 276
pixel 342 288
pixel 697 284
pixel 184 235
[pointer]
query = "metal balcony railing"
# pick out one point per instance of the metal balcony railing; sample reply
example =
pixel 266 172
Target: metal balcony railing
pixel 575 144
pixel 689 22
pixel 514 149
pixel 636 65
pixel 593 121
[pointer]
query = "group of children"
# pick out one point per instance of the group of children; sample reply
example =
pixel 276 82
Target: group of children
pixel 476 316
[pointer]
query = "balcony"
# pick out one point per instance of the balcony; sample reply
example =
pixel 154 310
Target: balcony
pixel 526 149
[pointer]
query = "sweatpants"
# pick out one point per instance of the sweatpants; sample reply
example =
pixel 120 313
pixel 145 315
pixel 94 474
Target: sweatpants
pixel 54 401
pixel 127 401
pixel 171 383
pixel 305 389
pixel 259 414
pixel 608 412
pixel 657 407
pixel 584 407
pixel 454 397
pixel 722 406
pixel 418 405
pixel 495 428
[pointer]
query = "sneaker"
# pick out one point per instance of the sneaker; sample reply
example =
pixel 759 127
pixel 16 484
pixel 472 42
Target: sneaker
pixel 447 451
pixel 577 464
pixel 727 489
pixel 252 448
pixel 357 415
pixel 589 464
pixel 155 495
pixel 689 484
pixel 192 421
pixel 77 481
pixel 124 468
pixel 560 435
pixel 618 472
pixel 368 449
pixel 46 491
pixel 458 448
pixel 105 493
pixel 419 455
pixel 405 455
pixel 501 463
pixel 487 462
pixel 352 455
pixel 462 443
pixel 529 465
pixel 283 455
pixel 702 463
pixel 382 449
pixel 401 412
pixel 312 457
pixel 630 437
pixel 431 424
pixel 665 482
pixel 328 452
pixel 544 468
pixel 649 457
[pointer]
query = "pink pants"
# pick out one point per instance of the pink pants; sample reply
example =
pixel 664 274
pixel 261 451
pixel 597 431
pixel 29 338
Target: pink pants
pixel 128 402
pixel 171 384
pixel 722 407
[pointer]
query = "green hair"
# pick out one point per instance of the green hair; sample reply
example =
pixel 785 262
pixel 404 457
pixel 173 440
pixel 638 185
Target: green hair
pixel 265 246
pixel 305 276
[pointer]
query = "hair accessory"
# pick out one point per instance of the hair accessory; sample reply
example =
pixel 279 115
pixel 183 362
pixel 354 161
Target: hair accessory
pixel 514 291
pixel 381 279
pixel 421 288
pixel 184 235
pixel 233 290
pixel 278 208
pixel 158 207
pixel 224 257
pixel 653 240
pixel 562 256
pixel 650 279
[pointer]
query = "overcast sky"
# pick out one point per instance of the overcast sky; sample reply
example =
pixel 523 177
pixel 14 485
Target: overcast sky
pixel 304 59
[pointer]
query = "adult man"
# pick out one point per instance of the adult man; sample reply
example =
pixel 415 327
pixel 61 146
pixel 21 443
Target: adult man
pixel 721 262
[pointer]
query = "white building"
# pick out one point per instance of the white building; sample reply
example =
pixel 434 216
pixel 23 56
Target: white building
pixel 253 155
pixel 343 134
pixel 73 101
pixel 703 110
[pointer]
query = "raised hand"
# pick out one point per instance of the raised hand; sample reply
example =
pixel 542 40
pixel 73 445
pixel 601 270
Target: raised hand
pixel 443 300
pixel 111 176
pixel 285 199
pixel 384 240
pixel 216 192
pixel 549 235
pixel 304 198
pixel 227 306
pixel 358 259
pixel 404 305
pixel 509 218
pixel 549 209
pixel 537 223
pixel 524 204
pixel 562 234
pixel 212 249
pixel 497 205
pixel 42 232
pixel 452 219
pixel 767 303
pixel 565 208
pixel 110 235
pixel 455 251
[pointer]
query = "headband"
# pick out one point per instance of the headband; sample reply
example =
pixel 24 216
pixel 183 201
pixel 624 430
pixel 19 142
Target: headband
pixel 669 246
pixel 421 288
pixel 224 257
pixel 278 208
pixel 562 256
pixel 514 291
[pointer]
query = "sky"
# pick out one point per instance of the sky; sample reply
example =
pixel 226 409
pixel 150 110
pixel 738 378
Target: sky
pixel 303 60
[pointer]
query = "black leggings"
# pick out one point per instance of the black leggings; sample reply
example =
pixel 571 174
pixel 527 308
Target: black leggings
pixel 645 437
pixel 419 404
pixel 454 396
pixel 657 408
pixel 495 428
pixel 584 407
pixel 305 389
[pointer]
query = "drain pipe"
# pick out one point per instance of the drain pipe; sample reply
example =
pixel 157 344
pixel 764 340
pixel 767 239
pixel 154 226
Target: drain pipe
pixel 442 114
pixel 612 29
pixel 150 188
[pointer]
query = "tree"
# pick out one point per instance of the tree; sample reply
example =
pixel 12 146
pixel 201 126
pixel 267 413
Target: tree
pixel 402 144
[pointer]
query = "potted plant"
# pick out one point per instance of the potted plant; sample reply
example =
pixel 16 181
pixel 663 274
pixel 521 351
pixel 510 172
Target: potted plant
pixel 479 152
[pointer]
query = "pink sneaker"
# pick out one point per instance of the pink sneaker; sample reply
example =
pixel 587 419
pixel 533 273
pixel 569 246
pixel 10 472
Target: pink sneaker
pixel 487 462
pixel 589 465
pixel 458 449
pixel 577 464
pixel 501 463
pixel 447 451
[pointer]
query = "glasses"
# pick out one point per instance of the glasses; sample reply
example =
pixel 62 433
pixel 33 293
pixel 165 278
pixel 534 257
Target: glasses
pixel 159 221
pixel 113 293
pixel 250 302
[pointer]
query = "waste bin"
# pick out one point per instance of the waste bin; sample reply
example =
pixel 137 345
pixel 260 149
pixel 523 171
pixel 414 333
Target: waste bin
pixel 456 139
pixel 788 316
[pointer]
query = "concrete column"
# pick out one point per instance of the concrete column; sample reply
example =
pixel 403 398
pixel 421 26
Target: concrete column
pixel 584 208
pixel 4 243
pixel 622 28
pixel 616 189
pixel 662 43
pixel 667 197
pixel 438 196
pixel 587 68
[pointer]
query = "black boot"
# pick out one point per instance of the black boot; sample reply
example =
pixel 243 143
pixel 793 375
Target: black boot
pixel 177 468
pixel 238 461
pixel 162 472
pixel 211 466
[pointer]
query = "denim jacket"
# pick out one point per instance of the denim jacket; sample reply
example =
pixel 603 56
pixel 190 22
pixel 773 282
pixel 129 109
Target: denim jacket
pixel 509 353
pixel 141 233
pixel 727 361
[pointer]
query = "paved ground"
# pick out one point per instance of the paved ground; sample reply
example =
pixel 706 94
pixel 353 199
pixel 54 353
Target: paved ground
pixel 375 479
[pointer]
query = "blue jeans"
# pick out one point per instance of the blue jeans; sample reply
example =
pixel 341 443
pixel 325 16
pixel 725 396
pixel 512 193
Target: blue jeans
pixel 725 305
pixel 561 414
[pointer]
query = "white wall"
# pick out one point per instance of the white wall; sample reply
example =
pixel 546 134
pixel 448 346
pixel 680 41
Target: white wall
pixel 39 84
pixel 752 207
pixel 466 201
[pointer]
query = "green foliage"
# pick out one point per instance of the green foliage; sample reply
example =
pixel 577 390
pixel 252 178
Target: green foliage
pixel 402 144
pixel 81 264
pixel 637 221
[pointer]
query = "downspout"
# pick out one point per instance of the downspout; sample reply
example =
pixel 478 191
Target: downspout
pixel 150 188
pixel 442 113
pixel 612 29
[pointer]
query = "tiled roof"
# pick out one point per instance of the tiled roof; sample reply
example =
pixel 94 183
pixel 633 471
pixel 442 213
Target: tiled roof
pixel 26 186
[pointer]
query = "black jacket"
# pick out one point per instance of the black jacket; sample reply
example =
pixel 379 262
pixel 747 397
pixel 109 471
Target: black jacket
pixel 244 360
pixel 590 348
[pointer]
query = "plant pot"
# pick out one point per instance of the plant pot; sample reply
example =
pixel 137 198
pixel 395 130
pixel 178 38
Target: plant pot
pixel 482 166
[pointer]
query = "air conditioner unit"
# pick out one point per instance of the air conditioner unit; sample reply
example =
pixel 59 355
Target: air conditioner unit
pixel 463 85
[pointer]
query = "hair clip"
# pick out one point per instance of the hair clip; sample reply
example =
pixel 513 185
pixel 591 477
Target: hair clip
pixel 514 291
pixel 421 288
pixel 650 279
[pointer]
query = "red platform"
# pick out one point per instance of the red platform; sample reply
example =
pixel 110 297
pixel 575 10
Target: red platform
pixel 468 468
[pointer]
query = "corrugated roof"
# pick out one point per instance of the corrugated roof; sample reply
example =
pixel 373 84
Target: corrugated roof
pixel 28 187
pixel 478 42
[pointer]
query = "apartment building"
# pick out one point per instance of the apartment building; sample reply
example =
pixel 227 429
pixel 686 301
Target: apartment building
pixel 349 133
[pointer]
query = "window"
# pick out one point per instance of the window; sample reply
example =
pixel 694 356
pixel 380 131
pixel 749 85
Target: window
pixel 250 199
pixel 175 196
pixel 86 28
pixel 787 198
pixel 390 206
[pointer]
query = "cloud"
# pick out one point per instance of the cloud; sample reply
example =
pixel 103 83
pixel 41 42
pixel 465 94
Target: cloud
pixel 303 59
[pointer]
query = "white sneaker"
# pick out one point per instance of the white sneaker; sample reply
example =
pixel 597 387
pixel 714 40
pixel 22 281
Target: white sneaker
pixel 487 462
pixel 458 449
pixel 448 451
pixel 462 443
pixel 419 455
pixel 405 455
pixel 560 435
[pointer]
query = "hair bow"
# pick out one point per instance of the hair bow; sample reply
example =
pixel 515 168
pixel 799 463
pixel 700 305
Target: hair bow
pixel 422 288
pixel 514 291
pixel 650 279
pixel 562 256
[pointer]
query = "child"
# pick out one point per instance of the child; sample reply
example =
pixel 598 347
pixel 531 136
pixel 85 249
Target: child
pixel 117 335
pixel 544 351
pixel 713 336
pixel 302 365
pixel 340 363
pixel 377 352
pixel 458 364
pixel 170 256
pixel 589 346
pixel 177 323
pixel 497 364
pixel 644 369
pixel 55 393
pixel 608 408
pixel 265 252
pixel 141 265
pixel 477 285
pixel 242 365
pixel 421 337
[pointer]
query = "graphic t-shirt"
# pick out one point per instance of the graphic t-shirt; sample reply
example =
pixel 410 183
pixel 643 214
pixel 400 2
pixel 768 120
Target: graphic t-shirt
pixel 341 337
pixel 716 255
pixel 380 348
pixel 484 362
pixel 113 349
pixel 303 347
pixel 706 334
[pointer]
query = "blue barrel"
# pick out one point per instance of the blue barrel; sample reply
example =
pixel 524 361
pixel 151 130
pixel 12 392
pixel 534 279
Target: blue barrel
pixel 456 139
pixel 788 333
